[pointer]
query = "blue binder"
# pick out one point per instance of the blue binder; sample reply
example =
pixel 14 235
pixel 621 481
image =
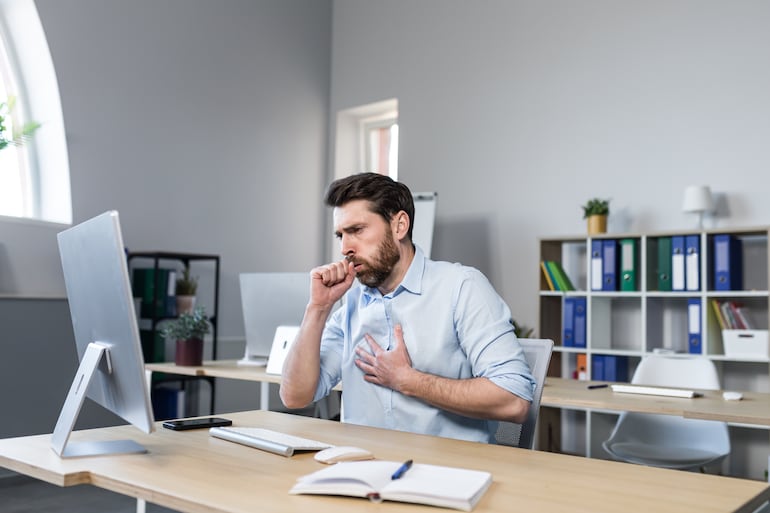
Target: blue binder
pixel 597 276
pixel 615 368
pixel 728 263
pixel 597 367
pixel 677 262
pixel 694 339
pixel 610 265
pixel 568 322
pixel 692 262
pixel 579 322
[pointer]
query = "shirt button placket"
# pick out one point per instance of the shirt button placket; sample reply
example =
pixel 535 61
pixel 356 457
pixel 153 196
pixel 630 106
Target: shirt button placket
pixel 387 303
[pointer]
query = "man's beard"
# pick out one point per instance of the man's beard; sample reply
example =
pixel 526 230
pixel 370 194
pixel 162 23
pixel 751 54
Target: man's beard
pixel 375 273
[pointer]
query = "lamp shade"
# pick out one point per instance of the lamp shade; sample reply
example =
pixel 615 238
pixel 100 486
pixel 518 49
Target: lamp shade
pixel 697 198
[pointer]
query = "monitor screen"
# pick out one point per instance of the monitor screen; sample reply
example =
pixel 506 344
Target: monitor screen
pixel 111 371
pixel 270 300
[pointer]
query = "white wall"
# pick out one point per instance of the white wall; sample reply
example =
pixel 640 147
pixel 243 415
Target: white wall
pixel 204 123
pixel 517 112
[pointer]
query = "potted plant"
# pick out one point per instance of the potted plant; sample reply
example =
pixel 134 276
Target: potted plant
pixel 596 211
pixel 520 330
pixel 186 287
pixel 188 330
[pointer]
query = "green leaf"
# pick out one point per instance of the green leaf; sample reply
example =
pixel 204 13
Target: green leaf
pixel 188 325
pixel 19 136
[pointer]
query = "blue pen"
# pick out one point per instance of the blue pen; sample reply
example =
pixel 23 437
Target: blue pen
pixel 402 470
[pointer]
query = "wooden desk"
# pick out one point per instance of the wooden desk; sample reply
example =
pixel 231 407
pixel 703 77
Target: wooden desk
pixel 754 408
pixel 193 472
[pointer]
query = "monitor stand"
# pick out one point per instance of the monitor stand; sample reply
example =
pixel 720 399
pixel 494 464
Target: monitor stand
pixel 253 360
pixel 95 359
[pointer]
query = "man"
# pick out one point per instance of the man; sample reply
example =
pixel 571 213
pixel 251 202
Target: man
pixel 421 346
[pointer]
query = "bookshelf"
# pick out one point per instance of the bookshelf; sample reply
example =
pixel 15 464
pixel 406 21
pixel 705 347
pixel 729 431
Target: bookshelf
pixel 625 325
pixel 161 268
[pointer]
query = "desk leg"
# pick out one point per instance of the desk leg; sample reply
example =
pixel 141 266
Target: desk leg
pixel 264 395
pixel 141 505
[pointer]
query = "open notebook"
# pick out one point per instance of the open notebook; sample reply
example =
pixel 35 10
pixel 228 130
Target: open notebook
pixel 446 487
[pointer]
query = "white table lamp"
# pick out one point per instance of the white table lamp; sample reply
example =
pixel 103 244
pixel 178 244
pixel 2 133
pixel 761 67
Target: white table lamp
pixel 697 198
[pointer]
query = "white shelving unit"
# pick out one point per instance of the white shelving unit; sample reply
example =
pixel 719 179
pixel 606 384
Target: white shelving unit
pixel 636 323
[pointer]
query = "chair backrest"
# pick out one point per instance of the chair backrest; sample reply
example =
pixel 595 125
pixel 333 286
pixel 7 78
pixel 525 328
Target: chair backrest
pixel 670 441
pixel 676 371
pixel 538 355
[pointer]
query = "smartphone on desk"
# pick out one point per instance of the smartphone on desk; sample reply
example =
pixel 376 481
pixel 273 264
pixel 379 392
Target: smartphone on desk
pixel 185 424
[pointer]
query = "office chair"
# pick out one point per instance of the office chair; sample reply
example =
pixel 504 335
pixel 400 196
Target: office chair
pixel 538 355
pixel 665 440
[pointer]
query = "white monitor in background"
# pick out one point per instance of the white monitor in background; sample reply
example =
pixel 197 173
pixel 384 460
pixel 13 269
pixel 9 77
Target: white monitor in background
pixel 111 370
pixel 270 300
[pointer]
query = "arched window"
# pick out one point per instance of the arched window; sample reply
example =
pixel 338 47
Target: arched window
pixel 34 178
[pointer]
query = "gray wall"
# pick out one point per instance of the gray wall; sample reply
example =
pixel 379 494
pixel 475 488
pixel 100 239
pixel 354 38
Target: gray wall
pixel 517 112
pixel 205 125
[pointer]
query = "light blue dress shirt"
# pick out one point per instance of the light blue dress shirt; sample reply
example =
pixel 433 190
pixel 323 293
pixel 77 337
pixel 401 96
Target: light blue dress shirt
pixel 455 325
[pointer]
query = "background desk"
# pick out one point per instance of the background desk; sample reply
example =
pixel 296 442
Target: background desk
pixel 227 369
pixel 193 472
pixel 754 408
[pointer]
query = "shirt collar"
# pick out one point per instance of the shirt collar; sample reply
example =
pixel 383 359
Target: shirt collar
pixel 412 281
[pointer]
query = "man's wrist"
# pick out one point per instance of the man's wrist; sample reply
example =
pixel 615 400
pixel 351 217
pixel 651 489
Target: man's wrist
pixel 412 382
pixel 317 312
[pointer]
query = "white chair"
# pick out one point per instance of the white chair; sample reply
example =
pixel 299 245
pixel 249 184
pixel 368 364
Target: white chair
pixel 666 440
pixel 538 355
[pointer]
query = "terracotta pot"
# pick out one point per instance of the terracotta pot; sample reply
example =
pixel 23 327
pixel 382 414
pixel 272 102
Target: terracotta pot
pixel 597 224
pixel 185 304
pixel 189 352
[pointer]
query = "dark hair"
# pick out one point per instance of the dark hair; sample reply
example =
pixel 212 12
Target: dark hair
pixel 386 197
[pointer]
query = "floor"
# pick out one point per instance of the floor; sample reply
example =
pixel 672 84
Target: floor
pixel 21 494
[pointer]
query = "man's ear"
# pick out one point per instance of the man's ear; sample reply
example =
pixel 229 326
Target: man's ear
pixel 401 225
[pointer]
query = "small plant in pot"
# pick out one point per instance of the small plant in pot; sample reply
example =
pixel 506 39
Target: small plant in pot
pixel 596 211
pixel 188 330
pixel 186 287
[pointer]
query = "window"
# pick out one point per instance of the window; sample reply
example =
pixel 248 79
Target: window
pixel 367 139
pixel 34 178
pixel 380 140
pixel 14 165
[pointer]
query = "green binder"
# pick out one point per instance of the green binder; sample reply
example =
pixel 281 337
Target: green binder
pixel 664 264
pixel 628 265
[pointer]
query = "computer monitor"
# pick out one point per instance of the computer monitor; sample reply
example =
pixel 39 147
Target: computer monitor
pixel 270 300
pixel 111 370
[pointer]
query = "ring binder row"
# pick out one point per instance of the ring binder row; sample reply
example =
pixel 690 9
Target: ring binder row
pixel 726 264
pixel 675 265
pixel 614 265
pixel 685 263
